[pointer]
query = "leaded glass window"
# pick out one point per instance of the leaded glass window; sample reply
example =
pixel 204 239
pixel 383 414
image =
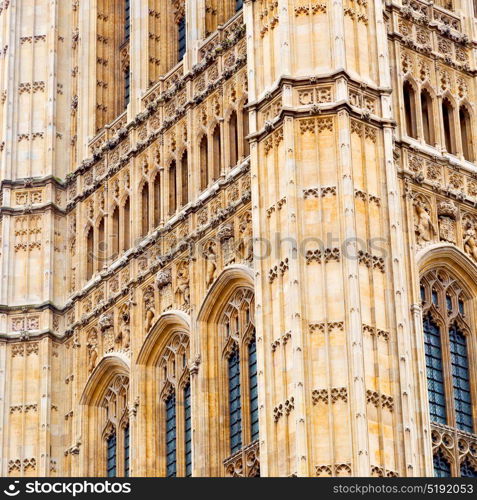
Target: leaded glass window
pixel 171 433
pixel 176 410
pixel 235 403
pixel 253 387
pixel 466 469
pixel 460 379
pixel 111 456
pixel 441 466
pixel 435 375
pixel 116 427
pixel 127 19
pixel 126 451
pixel 187 431
pixel 448 342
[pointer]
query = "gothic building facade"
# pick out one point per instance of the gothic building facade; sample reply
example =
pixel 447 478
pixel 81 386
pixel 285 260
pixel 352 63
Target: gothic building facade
pixel 238 238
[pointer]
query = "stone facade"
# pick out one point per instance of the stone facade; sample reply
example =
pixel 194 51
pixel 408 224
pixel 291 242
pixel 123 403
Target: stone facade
pixel 284 190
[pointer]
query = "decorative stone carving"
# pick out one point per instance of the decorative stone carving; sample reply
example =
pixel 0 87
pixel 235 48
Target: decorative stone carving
pixel 210 255
pixel 92 346
pixel 423 226
pixel 470 238
pixel 124 328
pixel 447 212
pixel 245 246
pixel 163 278
pixel 149 307
pixel 105 324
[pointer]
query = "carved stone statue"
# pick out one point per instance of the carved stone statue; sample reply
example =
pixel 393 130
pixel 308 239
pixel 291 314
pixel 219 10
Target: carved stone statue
pixel 210 256
pixel 106 326
pixel 424 228
pixel 470 240
pixel 149 308
pixel 447 212
pixel 124 319
pixel 92 346
pixel 246 237
pixel 183 282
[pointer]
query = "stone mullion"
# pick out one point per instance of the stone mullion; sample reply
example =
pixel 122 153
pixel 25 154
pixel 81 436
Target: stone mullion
pixel 139 63
pixel 356 376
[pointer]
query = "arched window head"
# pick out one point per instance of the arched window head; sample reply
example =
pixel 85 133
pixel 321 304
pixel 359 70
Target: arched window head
pixel 184 179
pixel 115 233
pixel 175 397
pixel 145 209
pixel 448 125
pixel 448 362
pixel 172 188
pixel 217 150
pixel 233 139
pixel 410 109
pixel 466 134
pixel 240 354
pixel 116 427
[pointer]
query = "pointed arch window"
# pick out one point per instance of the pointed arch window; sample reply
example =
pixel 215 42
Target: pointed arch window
pixel 233 139
pixel 172 188
pixel 466 134
pixel 157 200
pixel 410 109
pixel 467 470
pixel 427 117
pixel 101 250
pixel 89 254
pixel 245 131
pixel 204 163
pixel 446 338
pixel 185 179
pixel 115 233
pixel 181 38
pixel 217 150
pixel 116 428
pixel 240 353
pixel 176 414
pixel 145 209
pixel 448 125
pixel 126 225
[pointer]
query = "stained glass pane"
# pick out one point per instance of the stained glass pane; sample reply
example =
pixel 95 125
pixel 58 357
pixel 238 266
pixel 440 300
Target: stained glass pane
pixel 126 451
pixel 460 379
pixel 235 412
pixel 171 446
pixel 466 470
pixel 435 376
pixel 111 456
pixel 441 466
pixel 188 431
pixel 253 383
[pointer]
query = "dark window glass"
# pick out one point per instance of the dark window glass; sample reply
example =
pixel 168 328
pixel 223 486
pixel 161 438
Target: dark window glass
pixel 253 383
pixel 181 32
pixel 466 470
pixel 188 431
pixel 460 379
pixel 127 88
pixel 423 294
pixel 461 307
pixel 441 466
pixel 111 456
pixel 435 376
pixel 238 5
pixel 126 451
pixel 127 19
pixel 171 446
pixel 449 303
pixel 434 298
pixel 235 403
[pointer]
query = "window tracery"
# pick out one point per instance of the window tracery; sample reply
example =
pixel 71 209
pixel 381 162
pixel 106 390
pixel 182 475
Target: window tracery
pixel 449 342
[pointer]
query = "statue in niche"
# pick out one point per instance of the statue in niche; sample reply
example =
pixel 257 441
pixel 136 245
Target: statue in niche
pixel 92 346
pixel 124 319
pixel 470 240
pixel 106 326
pixel 210 255
pixel 424 228
pixel 246 237
pixel 183 283
pixel 149 308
